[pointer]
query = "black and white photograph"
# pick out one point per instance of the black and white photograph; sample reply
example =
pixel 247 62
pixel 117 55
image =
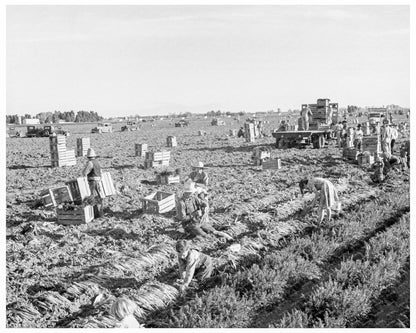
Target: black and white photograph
pixel 207 165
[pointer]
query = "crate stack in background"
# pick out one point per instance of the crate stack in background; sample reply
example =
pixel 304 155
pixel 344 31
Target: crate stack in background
pixel 171 141
pixel 249 132
pixel 140 149
pixel 60 156
pixel 82 146
pixel 233 133
pixel 156 159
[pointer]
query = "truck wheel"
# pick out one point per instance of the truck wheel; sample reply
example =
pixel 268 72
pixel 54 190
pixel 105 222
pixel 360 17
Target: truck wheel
pixel 320 141
pixel 46 133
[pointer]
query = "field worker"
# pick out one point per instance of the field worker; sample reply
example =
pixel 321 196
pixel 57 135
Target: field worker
pixel 198 175
pixel 358 137
pixel 394 136
pixel 193 209
pixel 240 133
pixel 192 263
pixel 386 136
pixel 338 130
pixel 325 192
pixel 305 113
pixel 378 166
pixel 92 171
pixel 123 310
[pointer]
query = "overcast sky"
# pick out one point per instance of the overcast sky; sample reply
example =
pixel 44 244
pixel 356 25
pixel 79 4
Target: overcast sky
pixel 125 60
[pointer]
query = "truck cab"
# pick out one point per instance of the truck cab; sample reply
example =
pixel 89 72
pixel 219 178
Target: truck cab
pixel 103 128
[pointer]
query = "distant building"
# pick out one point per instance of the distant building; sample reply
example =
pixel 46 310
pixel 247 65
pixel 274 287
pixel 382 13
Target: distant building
pixel 33 121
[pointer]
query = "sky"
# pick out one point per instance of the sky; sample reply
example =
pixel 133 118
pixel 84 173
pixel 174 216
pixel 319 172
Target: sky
pixel 127 60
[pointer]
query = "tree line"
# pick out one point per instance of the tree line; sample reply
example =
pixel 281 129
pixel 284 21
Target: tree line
pixel 55 117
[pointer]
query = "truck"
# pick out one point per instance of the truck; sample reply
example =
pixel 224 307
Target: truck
pixel 12 132
pixel 182 123
pixel 131 126
pixel 103 128
pixel 323 114
pixel 290 139
pixel 47 130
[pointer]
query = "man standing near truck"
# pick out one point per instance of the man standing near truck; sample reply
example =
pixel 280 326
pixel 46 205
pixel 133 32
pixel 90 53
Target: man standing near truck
pixel 305 113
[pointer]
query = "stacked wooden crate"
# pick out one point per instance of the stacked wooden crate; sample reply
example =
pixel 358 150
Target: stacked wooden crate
pixel 259 155
pixel 107 185
pixel 249 132
pixel 365 159
pixel 171 141
pixel 75 215
pixel 140 149
pixel 371 144
pixel 166 179
pixel 158 202
pixel 53 197
pixel 274 164
pixel 350 153
pixel 157 159
pixel 82 146
pixel 60 156
pixel 79 189
pixel 233 133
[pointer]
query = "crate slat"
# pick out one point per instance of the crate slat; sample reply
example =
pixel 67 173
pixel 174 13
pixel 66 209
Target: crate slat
pixel 165 203
pixel 77 216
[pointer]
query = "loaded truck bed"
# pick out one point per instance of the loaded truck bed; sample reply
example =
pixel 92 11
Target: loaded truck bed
pixel 289 139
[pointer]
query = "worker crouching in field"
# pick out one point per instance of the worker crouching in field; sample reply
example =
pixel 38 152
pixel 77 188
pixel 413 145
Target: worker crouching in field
pixel 378 175
pixel 92 171
pixel 192 263
pixel 123 310
pixel 193 209
pixel 325 192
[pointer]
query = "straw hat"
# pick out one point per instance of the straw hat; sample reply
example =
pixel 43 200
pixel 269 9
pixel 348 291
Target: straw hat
pixel 189 186
pixel 91 153
pixel 199 166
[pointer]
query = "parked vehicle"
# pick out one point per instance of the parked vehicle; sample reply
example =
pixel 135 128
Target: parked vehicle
pixel 12 132
pixel 103 128
pixel 131 126
pixel 182 123
pixel 49 130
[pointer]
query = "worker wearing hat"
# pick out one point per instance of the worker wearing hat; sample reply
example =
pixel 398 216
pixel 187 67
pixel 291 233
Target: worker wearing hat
pixel 198 175
pixel 358 137
pixel 92 171
pixel 192 210
pixel 386 136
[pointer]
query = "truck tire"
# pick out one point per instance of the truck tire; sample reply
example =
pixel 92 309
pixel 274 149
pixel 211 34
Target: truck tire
pixel 46 133
pixel 318 141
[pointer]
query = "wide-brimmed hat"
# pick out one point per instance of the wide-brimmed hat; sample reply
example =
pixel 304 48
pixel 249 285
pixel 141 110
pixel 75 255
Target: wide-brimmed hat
pixel 200 165
pixel 91 153
pixel 189 186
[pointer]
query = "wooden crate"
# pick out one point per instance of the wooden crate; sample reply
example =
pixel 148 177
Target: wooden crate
pixel 158 156
pixel 140 149
pixel 350 153
pixel 272 164
pixel 82 146
pixel 155 164
pixel 158 202
pixel 233 132
pixel 365 159
pixel 171 141
pixel 79 188
pixel 58 139
pixel 107 185
pixel 54 197
pixel 167 179
pixel 80 215
pixel 260 154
